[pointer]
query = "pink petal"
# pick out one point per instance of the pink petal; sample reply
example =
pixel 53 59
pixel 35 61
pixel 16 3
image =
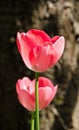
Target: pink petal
pixel 26 100
pixel 48 96
pixel 54 91
pixel 45 82
pixel 38 37
pixel 33 57
pixel 24 48
pixel 59 48
pixel 32 87
pixel 22 84
pixel 54 39
pixel 25 89
pixel 25 84
pixel 44 58
pixel 44 97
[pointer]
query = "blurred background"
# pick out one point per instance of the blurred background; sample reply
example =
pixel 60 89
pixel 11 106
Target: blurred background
pixel 56 17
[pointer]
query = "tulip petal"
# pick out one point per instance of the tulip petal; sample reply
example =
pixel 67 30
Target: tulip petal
pixel 44 58
pixel 24 49
pixel 59 45
pixel 38 37
pixel 23 84
pixel 58 48
pixel 25 89
pixel 54 39
pixel 45 82
pixel 54 91
pixel 26 100
pixel 46 95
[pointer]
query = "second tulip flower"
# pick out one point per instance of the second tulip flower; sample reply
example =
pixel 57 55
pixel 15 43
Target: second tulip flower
pixel 26 92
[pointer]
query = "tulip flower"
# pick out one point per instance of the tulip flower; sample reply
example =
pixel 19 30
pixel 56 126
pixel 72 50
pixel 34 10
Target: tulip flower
pixel 26 92
pixel 39 52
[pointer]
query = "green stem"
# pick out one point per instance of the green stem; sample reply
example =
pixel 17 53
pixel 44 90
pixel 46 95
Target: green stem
pixel 32 121
pixel 37 101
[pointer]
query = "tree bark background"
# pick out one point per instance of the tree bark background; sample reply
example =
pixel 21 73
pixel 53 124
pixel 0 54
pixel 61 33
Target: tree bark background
pixel 56 17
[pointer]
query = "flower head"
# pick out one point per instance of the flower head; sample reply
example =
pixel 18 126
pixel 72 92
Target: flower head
pixel 26 92
pixel 39 52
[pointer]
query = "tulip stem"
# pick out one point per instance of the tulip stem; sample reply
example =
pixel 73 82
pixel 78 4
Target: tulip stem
pixel 37 100
pixel 32 121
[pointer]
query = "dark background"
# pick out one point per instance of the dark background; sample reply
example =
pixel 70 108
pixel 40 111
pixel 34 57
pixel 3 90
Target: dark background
pixel 56 17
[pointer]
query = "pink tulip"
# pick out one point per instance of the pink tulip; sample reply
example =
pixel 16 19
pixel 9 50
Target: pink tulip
pixel 26 92
pixel 40 52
